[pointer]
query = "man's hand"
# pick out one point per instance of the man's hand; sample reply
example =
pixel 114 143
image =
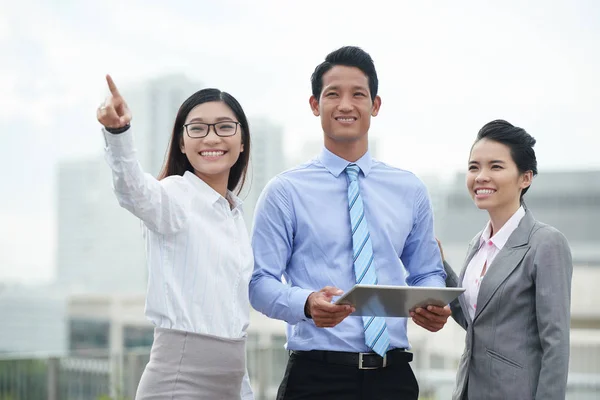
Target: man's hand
pixel 113 113
pixel 326 315
pixel 433 318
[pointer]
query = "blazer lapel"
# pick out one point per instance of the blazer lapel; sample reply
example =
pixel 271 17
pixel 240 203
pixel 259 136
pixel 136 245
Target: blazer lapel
pixel 473 247
pixel 505 262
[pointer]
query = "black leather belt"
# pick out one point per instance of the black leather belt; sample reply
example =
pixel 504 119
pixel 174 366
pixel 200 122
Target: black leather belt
pixel 359 360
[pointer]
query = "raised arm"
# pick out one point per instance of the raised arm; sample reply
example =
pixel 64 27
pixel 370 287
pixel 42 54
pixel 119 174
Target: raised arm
pixel 140 193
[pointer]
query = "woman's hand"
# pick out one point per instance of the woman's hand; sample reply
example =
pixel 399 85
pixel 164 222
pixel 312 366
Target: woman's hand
pixel 113 113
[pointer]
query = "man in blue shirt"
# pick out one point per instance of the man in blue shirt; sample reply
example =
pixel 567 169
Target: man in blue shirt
pixel 340 219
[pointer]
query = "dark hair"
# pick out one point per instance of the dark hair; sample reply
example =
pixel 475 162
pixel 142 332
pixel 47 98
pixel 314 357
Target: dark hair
pixel 349 56
pixel 518 141
pixel 176 163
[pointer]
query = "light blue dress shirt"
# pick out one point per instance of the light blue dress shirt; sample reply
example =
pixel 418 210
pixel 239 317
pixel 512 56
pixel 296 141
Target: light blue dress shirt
pixel 302 233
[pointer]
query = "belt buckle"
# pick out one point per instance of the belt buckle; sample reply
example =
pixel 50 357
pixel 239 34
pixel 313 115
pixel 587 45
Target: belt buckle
pixel 360 361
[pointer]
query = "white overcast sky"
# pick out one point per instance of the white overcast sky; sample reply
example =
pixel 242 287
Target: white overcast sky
pixel 445 68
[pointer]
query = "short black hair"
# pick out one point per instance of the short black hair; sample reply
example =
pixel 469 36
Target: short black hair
pixel 518 141
pixel 349 56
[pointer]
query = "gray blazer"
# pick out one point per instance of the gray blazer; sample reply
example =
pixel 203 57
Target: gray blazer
pixel 517 345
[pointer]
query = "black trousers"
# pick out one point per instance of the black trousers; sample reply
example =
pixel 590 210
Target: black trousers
pixel 319 380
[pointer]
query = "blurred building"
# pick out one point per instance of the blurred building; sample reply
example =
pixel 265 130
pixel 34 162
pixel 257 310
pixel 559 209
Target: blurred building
pixel 33 321
pixel 267 159
pixel 154 105
pixel 100 246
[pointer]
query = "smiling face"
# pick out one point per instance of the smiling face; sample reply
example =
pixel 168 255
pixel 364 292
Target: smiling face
pixel 212 156
pixel 493 179
pixel 345 108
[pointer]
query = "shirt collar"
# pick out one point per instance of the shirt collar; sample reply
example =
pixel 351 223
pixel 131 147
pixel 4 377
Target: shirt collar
pixel 336 165
pixel 501 237
pixel 237 202
pixel 209 193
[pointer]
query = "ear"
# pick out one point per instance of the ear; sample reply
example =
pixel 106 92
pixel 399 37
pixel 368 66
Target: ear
pixel 181 144
pixel 314 105
pixel 526 180
pixel 242 148
pixel 376 105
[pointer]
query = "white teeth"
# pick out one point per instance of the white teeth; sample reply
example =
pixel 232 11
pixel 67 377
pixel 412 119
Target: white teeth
pixel 346 119
pixel 485 191
pixel 212 153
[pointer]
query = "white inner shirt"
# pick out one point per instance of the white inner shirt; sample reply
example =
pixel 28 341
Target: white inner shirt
pixel 488 250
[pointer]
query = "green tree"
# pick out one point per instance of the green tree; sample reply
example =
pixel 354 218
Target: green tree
pixel 23 379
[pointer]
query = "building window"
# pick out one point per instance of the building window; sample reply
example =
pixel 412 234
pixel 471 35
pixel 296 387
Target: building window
pixel 88 336
pixel 137 336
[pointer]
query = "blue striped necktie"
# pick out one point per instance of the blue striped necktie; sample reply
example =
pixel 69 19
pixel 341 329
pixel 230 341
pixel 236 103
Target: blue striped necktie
pixel 376 335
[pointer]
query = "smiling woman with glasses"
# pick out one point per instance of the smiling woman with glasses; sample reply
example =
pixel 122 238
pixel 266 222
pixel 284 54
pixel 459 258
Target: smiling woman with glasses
pixel 197 245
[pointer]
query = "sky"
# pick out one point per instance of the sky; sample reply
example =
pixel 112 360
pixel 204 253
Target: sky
pixel 445 69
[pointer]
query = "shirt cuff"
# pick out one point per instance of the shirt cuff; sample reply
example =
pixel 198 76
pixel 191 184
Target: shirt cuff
pixel 118 130
pixel 120 144
pixel 298 301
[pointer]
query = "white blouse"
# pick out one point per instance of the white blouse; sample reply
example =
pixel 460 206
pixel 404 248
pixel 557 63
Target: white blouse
pixel 488 250
pixel 198 250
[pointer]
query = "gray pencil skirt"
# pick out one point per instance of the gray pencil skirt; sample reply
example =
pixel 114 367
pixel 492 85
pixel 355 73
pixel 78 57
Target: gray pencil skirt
pixel 186 365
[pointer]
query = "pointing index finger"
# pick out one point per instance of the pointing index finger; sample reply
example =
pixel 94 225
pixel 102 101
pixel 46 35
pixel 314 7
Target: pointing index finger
pixel 112 87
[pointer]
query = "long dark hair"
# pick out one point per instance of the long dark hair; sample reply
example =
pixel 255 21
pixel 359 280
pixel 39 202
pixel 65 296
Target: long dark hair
pixel 176 163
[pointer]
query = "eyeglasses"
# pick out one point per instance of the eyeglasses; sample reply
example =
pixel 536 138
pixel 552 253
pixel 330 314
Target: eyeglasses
pixel 198 130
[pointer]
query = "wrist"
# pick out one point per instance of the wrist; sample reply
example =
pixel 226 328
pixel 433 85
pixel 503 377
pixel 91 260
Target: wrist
pixel 116 131
pixel 307 306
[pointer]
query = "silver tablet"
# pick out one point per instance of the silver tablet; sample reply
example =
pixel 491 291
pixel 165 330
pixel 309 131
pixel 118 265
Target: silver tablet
pixel 396 301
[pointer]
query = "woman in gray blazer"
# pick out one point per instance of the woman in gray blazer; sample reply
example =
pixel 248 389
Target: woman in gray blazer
pixel 517 276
